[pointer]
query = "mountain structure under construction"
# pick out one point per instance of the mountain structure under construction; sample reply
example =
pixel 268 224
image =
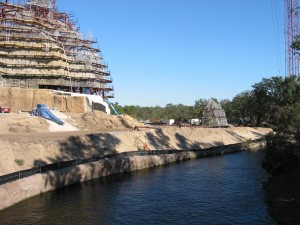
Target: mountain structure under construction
pixel 41 47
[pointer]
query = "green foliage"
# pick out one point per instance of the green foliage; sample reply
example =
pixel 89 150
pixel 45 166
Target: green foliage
pixel 295 117
pixel 119 108
pixel 276 141
pixel 20 162
pixel 246 145
pixel 240 107
pixel 180 112
pixel 297 138
pixel 280 155
pixel 274 101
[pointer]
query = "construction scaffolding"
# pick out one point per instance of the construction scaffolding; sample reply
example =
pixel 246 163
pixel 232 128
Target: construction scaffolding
pixel 42 47
pixel 214 115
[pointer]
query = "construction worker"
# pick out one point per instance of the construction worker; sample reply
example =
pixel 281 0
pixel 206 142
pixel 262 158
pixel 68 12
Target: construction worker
pixel 146 147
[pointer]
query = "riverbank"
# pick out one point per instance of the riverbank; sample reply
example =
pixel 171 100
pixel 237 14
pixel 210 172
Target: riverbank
pixel 31 143
pixel 224 189
pixel 25 150
pixel 40 183
pixel 284 197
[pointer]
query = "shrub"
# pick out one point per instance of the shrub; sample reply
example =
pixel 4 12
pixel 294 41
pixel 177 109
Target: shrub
pixel 20 162
pixel 280 155
pixel 297 138
pixel 246 145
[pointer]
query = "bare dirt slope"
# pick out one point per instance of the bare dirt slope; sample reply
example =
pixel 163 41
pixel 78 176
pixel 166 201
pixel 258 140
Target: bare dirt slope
pixel 27 141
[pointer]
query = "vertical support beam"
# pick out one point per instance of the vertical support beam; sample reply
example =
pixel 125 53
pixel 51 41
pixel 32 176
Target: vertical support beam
pixel 54 6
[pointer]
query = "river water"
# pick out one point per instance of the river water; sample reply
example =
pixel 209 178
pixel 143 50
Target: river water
pixel 217 190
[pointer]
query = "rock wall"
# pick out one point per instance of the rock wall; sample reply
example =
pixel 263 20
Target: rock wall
pixel 20 99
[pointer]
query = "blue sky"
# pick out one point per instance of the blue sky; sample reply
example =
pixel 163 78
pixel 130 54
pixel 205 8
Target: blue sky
pixel 177 51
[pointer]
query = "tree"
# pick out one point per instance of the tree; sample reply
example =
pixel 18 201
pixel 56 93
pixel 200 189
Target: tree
pixel 118 107
pixel 270 97
pixel 275 101
pixel 228 107
pixel 263 97
pixel 131 110
pixel 199 105
pixel 241 107
pixel 279 155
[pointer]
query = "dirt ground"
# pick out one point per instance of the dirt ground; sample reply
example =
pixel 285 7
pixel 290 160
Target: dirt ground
pixel 27 141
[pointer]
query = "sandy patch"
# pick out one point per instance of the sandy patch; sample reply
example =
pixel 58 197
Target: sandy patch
pixel 54 127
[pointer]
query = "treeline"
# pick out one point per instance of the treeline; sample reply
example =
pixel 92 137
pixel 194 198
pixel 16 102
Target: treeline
pixel 274 102
pixel 180 112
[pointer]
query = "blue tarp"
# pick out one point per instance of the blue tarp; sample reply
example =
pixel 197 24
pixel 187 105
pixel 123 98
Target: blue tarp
pixel 43 111
pixel 111 105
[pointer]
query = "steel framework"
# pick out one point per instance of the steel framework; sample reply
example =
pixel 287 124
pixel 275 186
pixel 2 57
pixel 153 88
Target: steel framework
pixel 43 47
pixel 292 57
